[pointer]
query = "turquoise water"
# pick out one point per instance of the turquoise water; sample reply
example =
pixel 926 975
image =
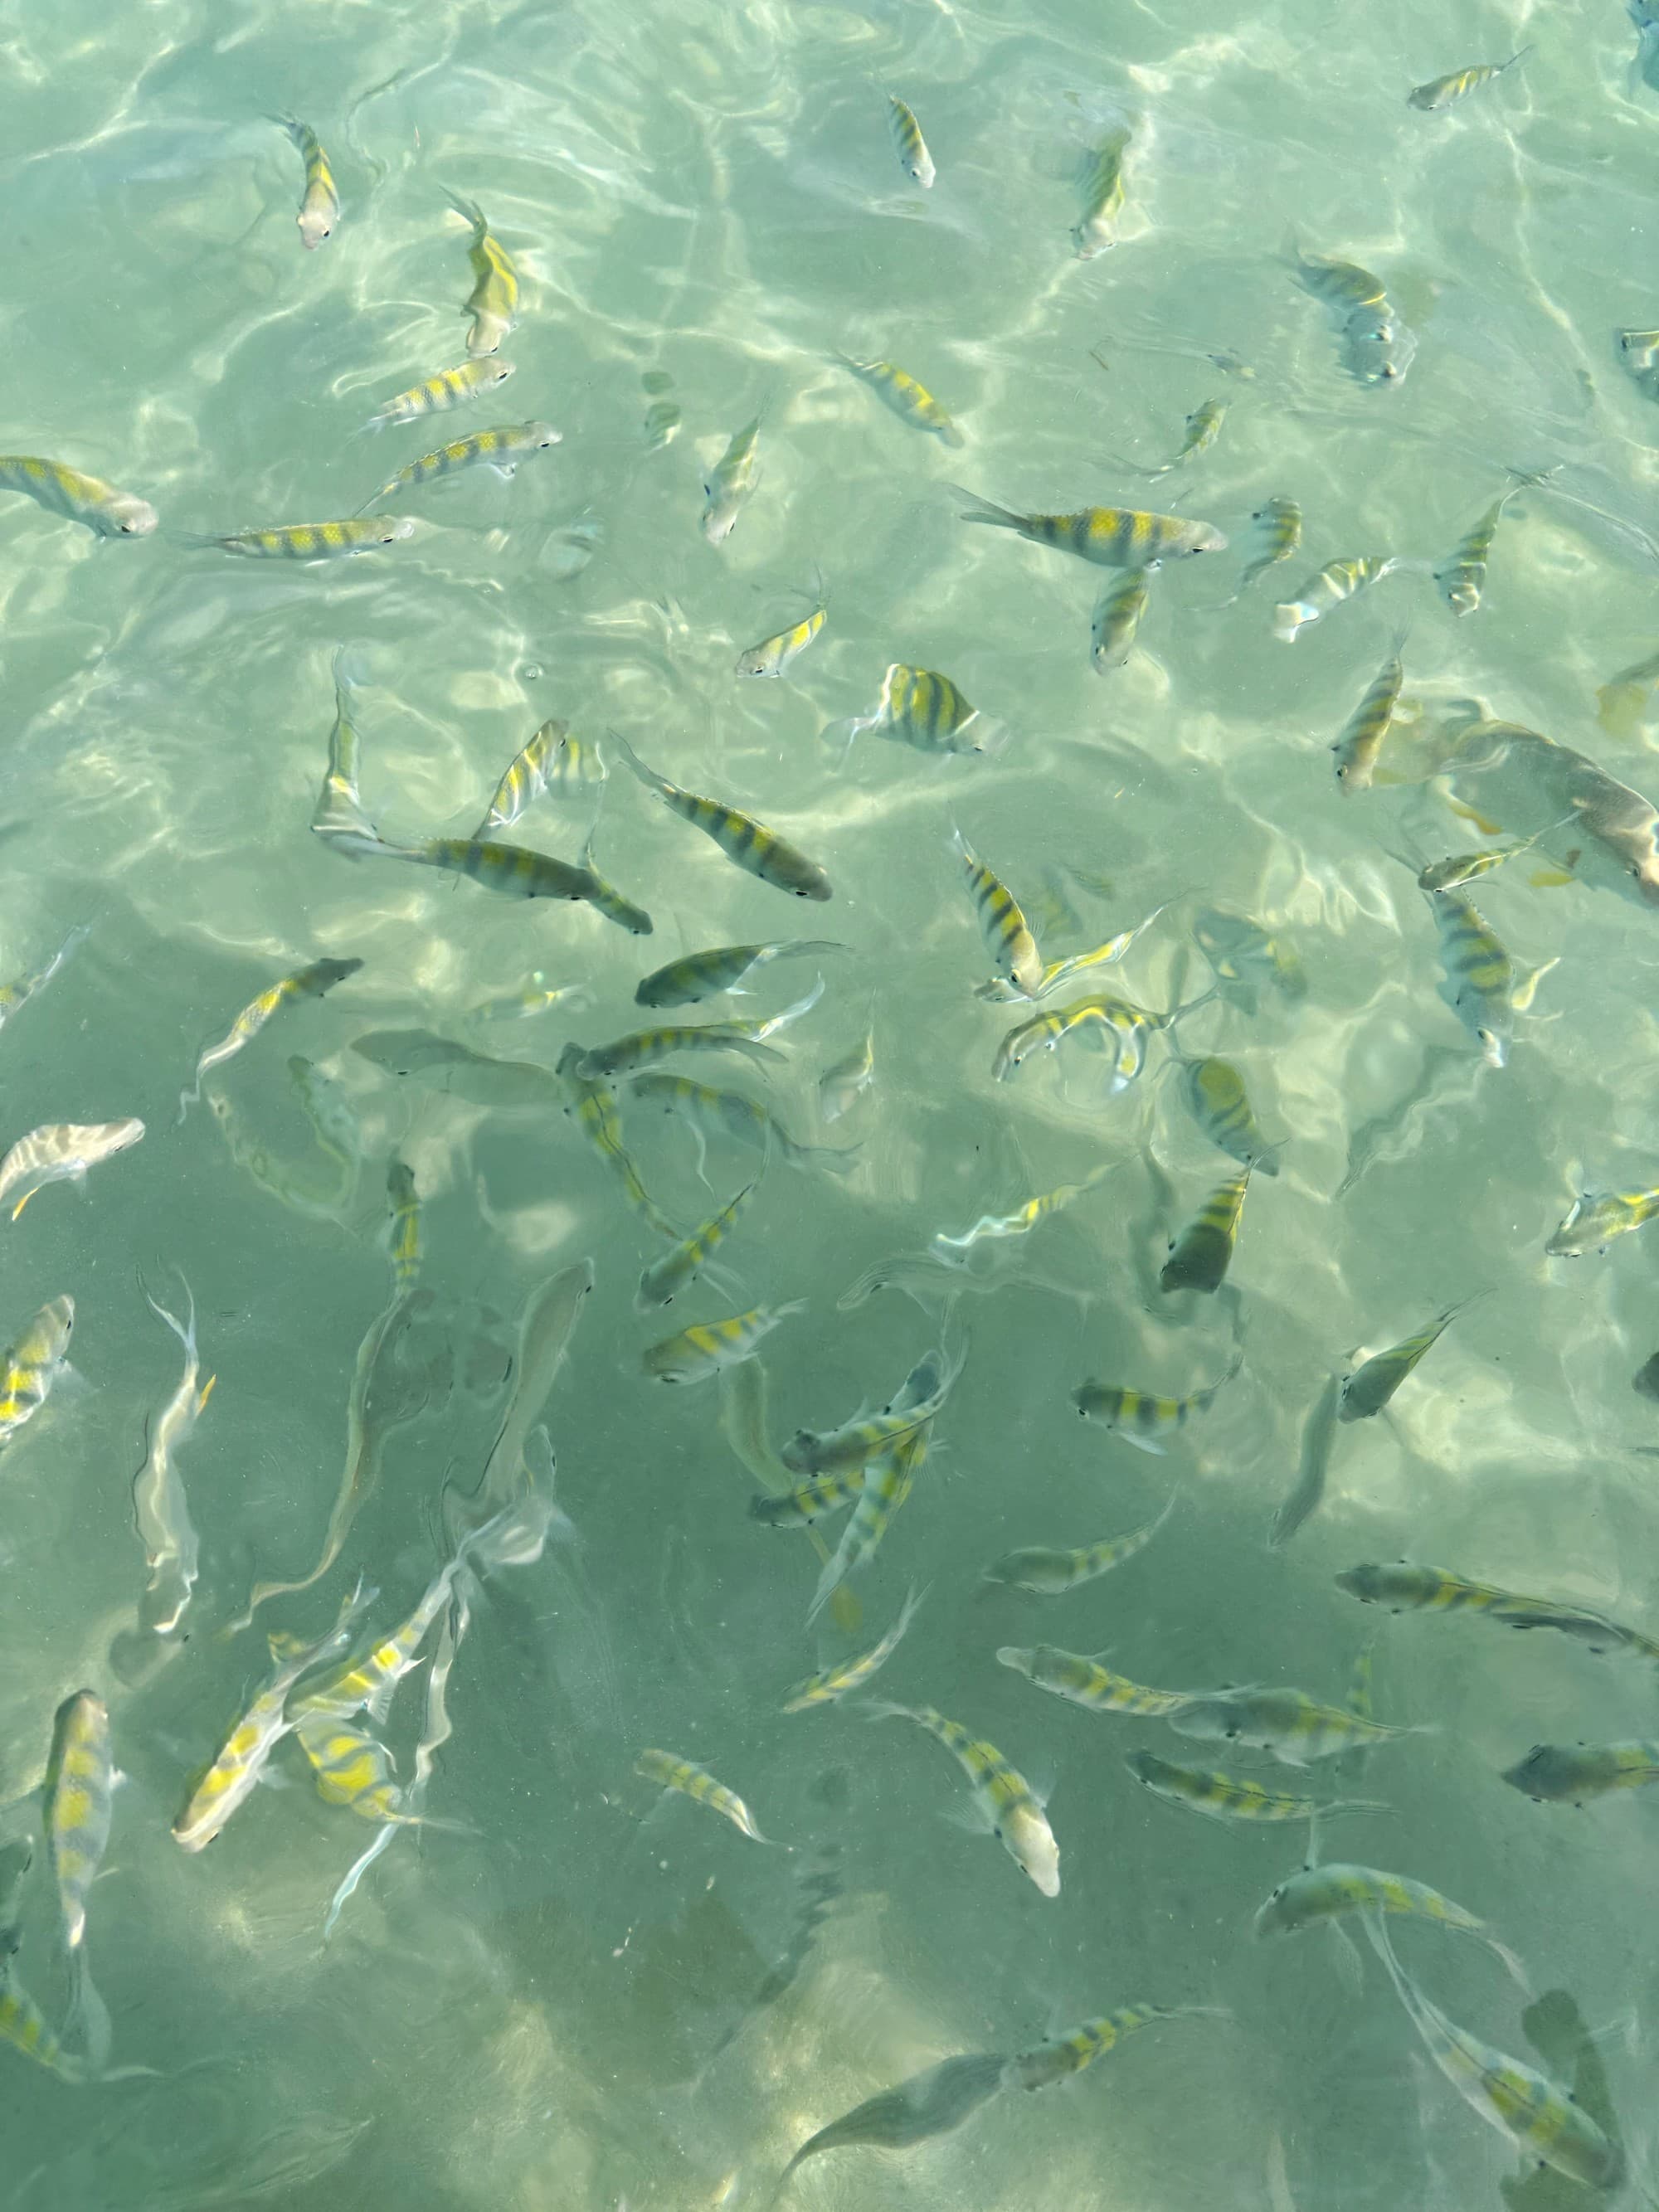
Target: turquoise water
pixel 556 1994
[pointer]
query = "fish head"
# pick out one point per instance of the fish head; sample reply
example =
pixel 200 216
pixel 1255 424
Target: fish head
pixel 1549 1771
pixel 1462 595
pixel 316 224
pixel 542 434
pixel 124 516
pixel 1206 1720
pixel 1364 1582
pixel 1202 538
pixel 1030 1841
pixel 1273 1918
pixel 1494 1048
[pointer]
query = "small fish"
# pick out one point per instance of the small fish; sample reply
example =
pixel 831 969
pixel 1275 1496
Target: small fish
pixel 1051 1574
pixel 1243 957
pixel 31 1366
pixel 1460 868
pixel 1115 1023
pixel 451 387
pixel 538 996
pixel 1640 348
pixel 1021 1222
pixel 493 303
pixel 910 401
pixel 83 499
pixel 1572 1773
pixel 607 900
pixel 1001 991
pixel 800 1508
pixel 319 211
pixel 1620 701
pixel 1095 229
pixel 747 842
pixel 14 997
pixel 699 1352
pixel 1291 1728
pixel 1543 2121
pixel 773 654
pixel 1219 358
pixel 1003 1797
pixel 886 1484
pixel 662 425
pixel 1083 1681
pixel 1365 731
pixel 594 1107
pixel 404 1228
pixel 1217 1101
pixel 1313 1466
pixel 1595 1218
pixel 861 1442
pixel 702 976
pixel 909 144
pixel 847 1675
pixel 1479 982
pixel 1145 1421
pixel 1331 1891
pixel 665 1279
pixel 932 2103
pixel 1008 939
pixel 230 1781
pixel 1369 1388
pixel 311 982
pixel 1117 617
pixel 697 1784
pixel 643 1048
pixel 317 541
pixel 353 1769
pixel 62 1151
pixel 552 761
pixel 1377 346
pixel 1462 578
pixel 1443 91
pixel 1336 581
pixel 79 1789
pixel 1405 1588
pixel 729 483
pixel 511 871
pixel 730 1114
pixel 24 2027
pixel 501 449
pixel 545 1330
pixel 918 707
pixel 1203 428
pixel 845 1080
pixel 1110 537
pixel 338 812
pixel 1064 2056
pixel 1220 1797
pixel 1277 535
pixel 159 1507
pixel 1201 1254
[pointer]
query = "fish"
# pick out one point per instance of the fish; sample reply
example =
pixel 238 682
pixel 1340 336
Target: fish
pixel 550 1315
pixel 1403 1586
pixel 319 211
pixel 1123 1027
pixel 14 997
pixel 1479 983
pixel 1063 2055
pixel 643 1047
pixel 1370 1386
pixel 594 1104
pixel 510 870
pixel 919 707
pixel 728 484
pixel 705 975
pixel 32 1365
pixel 368 1682
pixel 662 425
pixel 551 760
pixel 1278 534
pixel 861 1442
pixel 1543 2121
pixel 501 449
pixel 935 2102
pixel 1333 1891
pixel 1220 357
pixel 1221 1797
pixel 1377 346
pixel 160 1508
pixel 821 1886
pixel 1007 935
pixel 1203 428
pixel 1117 616
pixel 537 996
pixel 1095 229
pixel 800 1508
pixel 1461 577
pixel 436 395
pixel 316 540
pixel 1318 1438
pixel 847 1675
pixel 1201 1254
pixel 1217 1100
pixel 1640 348
pixel 1595 1218
pixel 665 1279
pixel 1109 537
pixel 1084 1682
pixel 697 1783
pixel 25 2027
pixel 1572 1773
pixel 845 1080
pixel 773 654
pixel 697 1354
pixel 1289 1726
pixel 885 1484
pixel 403 1226
pixel 1142 1421
pixel 62 1151
pixel 1460 868
pixel 338 812
pixel 231 1780
pixel 326 1106
pixel 1051 1573
pixel 910 401
pixel 1365 731
pixel 909 144
pixel 730 1114
pixel 1021 1222
pixel 745 1423
pixel 1243 957
pixel 1445 91
pixel 78 1796
pixel 1002 1796
pixel 353 1769
pixel 1621 701
pixel 84 499
pixel 302 1191
pixel 749 844
pixel 1002 990
pixel 457 1068
pixel 314 981
pixel 607 900
pixel 493 303
pixel 1336 581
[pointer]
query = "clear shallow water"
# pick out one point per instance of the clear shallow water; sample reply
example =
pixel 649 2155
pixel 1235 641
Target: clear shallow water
pixel 524 2016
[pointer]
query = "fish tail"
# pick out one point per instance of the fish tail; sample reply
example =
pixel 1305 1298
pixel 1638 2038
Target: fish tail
pixel 469 208
pixel 185 1330
pixel 647 776
pixel 987 510
pixel 87 2022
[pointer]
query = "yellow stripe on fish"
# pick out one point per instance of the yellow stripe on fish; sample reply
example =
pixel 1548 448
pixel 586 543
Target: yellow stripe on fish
pixel 1217 1101
pixel 1083 1682
pixel 908 143
pixel 450 387
pixel 79 1791
pixel 730 482
pixel 1127 1028
pixel 699 1352
pixel 31 1366
pixel 501 448
pixel 1143 1420
pixel 1221 1797
pixel 1336 581
pixel 798 1509
pixel 1052 1573
pixel 1110 537
pixel 884 1488
pixel 697 1783
pixel 353 1769
pixel 1366 729
pixel 84 499
pixel 1008 1806
pixel 403 1229
pixel 1007 935
pixel 918 707
pixel 314 981
pixel 847 1675
pixel 493 303
pixel 317 541
pixel 1322 1894
pixel 1457 84
pixel 1292 1726
pixel 1095 229
pixel 747 843
pixel 910 401
pixel 1201 1254
pixel 663 1281
pixel 319 211
pixel 773 654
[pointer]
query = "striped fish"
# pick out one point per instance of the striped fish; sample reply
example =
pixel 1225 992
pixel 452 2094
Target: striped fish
pixel 1365 731
pixel 552 761
pixel 161 1510
pixel 511 871
pixel 1278 534
pixel 918 707
pixel 32 1365
pixel 1110 537
pixel 79 1789
pixel 773 654
pixel 82 498
pixel 697 1783
pixel 1008 939
pixel 1336 581
pixel 1086 1682
pixel 62 1151
pixel 317 541
pixel 501 449
pixel 1004 1799
pixel 1321 1895
pixel 1095 229
pixel 404 1228
pixel 1220 1797
pixel 1201 1254
pixel 1021 1222
pixel 319 211
pixel 1063 2055
pixel 847 1675
pixel 1457 84
pixel 314 981
pixel 699 1352
pixel 908 143
pixel 368 1682
pixel 730 1114
pixel 886 1484
pixel 1479 983
pixel 747 842
pixel 663 1281
pixel 450 387
pixel 1051 1573
pixel 1126 1028
pixel 1143 1420
pixel 799 1508
pixel 705 975
pixel 911 401
pixel 644 1048
pixel 1595 1218
pixel 594 1106
pixel 1117 617
pixel 353 1769
pixel 608 900
pixel 493 303
pixel 1369 1388
pixel 729 483
pixel 1461 577
pixel 1290 1726
pixel 1217 1101
pixel 1573 1773
pixel 1056 972
pixel 861 1443
pixel 15 996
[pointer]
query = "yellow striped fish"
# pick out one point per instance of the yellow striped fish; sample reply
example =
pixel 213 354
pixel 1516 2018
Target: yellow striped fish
pixel 1595 1218
pixel 62 1151
pixel 353 1769
pixel 773 654
pixel 511 871
pixel 1462 578
pixel 1056 972
pixel 501 449
pixel 663 1281
pixel 15 996
pixel 368 1682
pixel 1095 229
pixel 1243 956
pixel 747 843
pixel 80 1787
pixel 1050 1573
pixel 493 303
pixel 1278 534
pixel 699 1352
pixel 911 401
pixel 1220 1797
pixel 908 143
pixel 1063 2055
pixel 862 1441
pixel 1143 1420
pixel 1117 616
pixel 608 900
pixel 1479 983
pixel 798 1509
pixel 643 1048
pixel 1004 1799
pixel 921 708
pixel 1021 1222
pixel 1008 939
pixel 1406 1587
pixel 1110 537
pixel 1321 1895
pixel 159 1507
pixel 1573 1773
pixel 404 1228
pixel 1457 84
pixel 1369 1388
pixel 31 1366
pixel 450 387
pixel 730 1114
pixel 594 1106
pixel 1126 1028
pixel 82 498
pixel 1203 428
pixel 319 211
pixel 309 982
pixel 1336 581
pixel 1201 1254
pixel 1083 1681
pixel 697 1784
pixel 1365 731
pixel 838 1681
pixel 317 541
pixel 886 1485
pixel 1217 1101
pixel 552 761
pixel 705 975
pixel 1291 1726
pixel 729 483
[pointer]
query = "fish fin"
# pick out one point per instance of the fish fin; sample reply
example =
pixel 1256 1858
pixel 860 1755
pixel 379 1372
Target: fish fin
pixel 87 2022
pixel 1345 1952
pixel 1522 998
